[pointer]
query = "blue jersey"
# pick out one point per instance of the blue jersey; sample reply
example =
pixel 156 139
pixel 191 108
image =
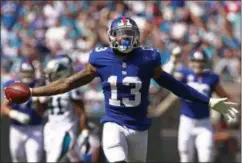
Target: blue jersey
pixel 204 84
pixel 27 108
pixel 125 84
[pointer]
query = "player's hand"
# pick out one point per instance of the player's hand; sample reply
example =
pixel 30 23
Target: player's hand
pixel 21 117
pixel 232 122
pixel 85 133
pixel 226 108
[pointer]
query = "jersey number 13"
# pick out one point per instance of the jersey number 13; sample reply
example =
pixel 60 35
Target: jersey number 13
pixel 135 91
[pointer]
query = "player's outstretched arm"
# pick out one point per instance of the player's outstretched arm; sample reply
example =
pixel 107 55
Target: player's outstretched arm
pixel 7 111
pixel 80 111
pixel 184 91
pixel 64 85
pixel 178 88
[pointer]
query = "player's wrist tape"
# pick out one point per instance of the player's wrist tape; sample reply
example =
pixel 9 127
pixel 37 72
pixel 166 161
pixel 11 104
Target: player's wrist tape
pixel 30 89
pixel 21 117
pixel 85 132
pixel 14 114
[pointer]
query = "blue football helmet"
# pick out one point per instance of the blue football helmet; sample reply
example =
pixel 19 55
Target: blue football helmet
pixel 198 61
pixel 124 34
pixel 26 72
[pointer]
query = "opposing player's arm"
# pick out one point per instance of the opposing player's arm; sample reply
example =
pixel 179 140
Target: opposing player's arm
pixel 64 85
pixel 96 153
pixel 80 111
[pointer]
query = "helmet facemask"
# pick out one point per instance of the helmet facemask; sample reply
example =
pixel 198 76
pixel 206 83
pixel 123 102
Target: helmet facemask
pixel 27 77
pixel 198 62
pixel 124 39
pixel 198 66
pixel 26 73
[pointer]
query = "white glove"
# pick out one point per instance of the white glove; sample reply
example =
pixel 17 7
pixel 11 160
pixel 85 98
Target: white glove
pixel 85 133
pixel 21 117
pixel 226 108
pixel 233 121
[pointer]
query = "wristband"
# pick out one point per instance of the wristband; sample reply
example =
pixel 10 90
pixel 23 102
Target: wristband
pixel 13 114
pixel 30 89
pixel 85 132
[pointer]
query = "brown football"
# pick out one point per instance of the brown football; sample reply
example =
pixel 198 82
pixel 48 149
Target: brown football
pixel 17 93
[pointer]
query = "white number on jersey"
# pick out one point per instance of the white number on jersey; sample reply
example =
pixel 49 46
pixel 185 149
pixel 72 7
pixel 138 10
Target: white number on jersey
pixel 134 91
pixel 55 106
pixel 100 49
pixel 147 48
pixel 200 87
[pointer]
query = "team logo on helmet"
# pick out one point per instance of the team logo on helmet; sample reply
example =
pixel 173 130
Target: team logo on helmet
pixel 124 34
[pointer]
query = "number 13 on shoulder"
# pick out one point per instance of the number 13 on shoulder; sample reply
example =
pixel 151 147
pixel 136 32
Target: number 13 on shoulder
pixel 135 91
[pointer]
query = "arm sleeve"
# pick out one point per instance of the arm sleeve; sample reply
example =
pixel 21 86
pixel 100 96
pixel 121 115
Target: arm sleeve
pixel 8 83
pixel 93 58
pixel 157 57
pixel 216 81
pixel 178 88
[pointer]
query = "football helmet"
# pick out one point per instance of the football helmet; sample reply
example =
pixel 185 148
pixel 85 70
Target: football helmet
pixel 58 68
pixel 124 34
pixel 198 61
pixel 26 72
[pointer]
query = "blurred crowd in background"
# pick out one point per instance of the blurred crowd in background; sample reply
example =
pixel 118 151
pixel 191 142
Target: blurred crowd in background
pixel 39 30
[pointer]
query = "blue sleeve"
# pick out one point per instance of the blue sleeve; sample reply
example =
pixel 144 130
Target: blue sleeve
pixel 182 90
pixel 181 75
pixel 93 58
pixel 7 83
pixel 95 61
pixel 157 58
pixel 216 81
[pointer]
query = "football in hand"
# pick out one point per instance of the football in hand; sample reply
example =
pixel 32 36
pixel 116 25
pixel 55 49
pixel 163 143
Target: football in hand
pixel 17 93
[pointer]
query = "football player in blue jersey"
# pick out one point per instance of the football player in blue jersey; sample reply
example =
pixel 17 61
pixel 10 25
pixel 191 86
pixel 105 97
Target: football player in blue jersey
pixel 125 69
pixel 26 130
pixel 195 128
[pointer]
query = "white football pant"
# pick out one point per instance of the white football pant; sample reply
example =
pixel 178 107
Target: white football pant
pixel 195 134
pixel 26 143
pixel 123 144
pixel 58 140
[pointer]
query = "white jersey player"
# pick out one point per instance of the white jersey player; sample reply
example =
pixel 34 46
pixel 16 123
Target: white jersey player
pixel 26 129
pixel 87 148
pixel 64 111
pixel 195 128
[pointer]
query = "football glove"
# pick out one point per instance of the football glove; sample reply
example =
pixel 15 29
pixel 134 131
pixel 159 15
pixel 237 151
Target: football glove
pixel 21 117
pixel 226 108
pixel 85 133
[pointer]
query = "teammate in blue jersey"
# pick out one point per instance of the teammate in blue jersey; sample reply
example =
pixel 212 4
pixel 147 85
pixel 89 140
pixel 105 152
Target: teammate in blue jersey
pixel 125 70
pixel 26 144
pixel 195 128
